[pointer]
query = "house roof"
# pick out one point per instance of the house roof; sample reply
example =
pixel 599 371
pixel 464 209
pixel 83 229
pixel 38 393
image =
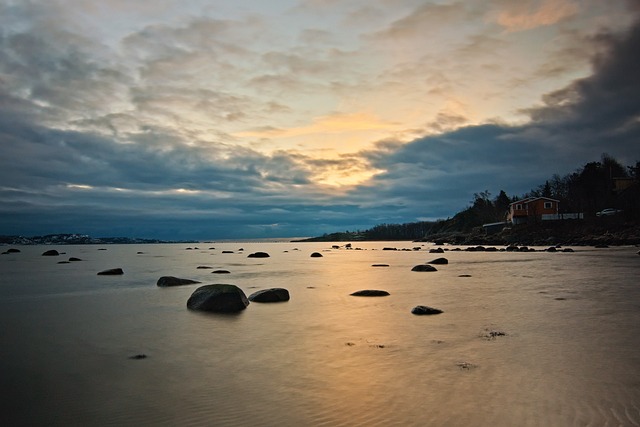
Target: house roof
pixel 531 199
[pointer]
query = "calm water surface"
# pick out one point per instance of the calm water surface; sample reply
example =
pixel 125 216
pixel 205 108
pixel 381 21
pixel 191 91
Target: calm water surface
pixel 569 355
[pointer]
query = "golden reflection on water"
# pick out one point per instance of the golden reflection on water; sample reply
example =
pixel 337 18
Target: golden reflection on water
pixel 531 339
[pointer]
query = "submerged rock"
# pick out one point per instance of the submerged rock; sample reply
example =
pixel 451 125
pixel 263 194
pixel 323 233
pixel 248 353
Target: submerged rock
pixel 258 255
pixel 111 272
pixel 441 261
pixel 379 265
pixel 270 295
pixel 424 267
pixel 138 356
pixel 166 281
pixel 51 252
pixel 425 310
pixel 219 298
pixel 370 293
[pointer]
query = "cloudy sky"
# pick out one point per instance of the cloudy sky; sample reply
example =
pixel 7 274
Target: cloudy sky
pixel 213 119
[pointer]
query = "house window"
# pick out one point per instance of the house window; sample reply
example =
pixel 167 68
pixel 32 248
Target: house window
pixel 518 207
pixel 548 205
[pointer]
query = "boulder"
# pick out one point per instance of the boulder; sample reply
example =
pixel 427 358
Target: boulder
pixel 270 295
pixel 424 267
pixel 111 272
pixel 379 265
pixel 316 255
pixel 441 261
pixel 389 249
pixel 219 298
pixel 436 251
pixel 51 252
pixel 370 293
pixel 203 267
pixel 220 272
pixel 13 251
pixel 258 255
pixel 74 259
pixel 227 252
pixel 166 281
pixel 425 310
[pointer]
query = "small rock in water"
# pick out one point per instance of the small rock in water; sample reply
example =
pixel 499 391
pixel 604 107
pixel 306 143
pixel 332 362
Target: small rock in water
pixel 258 255
pixel 203 267
pixel 380 265
pixel 13 251
pixel 111 272
pixel 424 267
pixel 425 310
pixel 221 272
pixel 370 293
pixel 465 365
pixel 73 259
pixel 316 255
pixel 440 261
pixel 166 281
pixel 51 252
pixel 491 334
pixel 138 356
pixel 270 295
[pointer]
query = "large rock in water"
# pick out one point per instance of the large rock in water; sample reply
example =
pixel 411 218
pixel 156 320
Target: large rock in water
pixel 270 295
pixel 51 252
pixel 441 261
pixel 111 272
pixel 166 281
pixel 370 293
pixel 219 298
pixel 424 267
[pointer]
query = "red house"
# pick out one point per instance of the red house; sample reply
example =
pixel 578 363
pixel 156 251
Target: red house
pixel 533 208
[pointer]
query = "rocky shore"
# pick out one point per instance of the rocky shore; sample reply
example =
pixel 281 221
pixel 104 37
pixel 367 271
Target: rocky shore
pixel 538 235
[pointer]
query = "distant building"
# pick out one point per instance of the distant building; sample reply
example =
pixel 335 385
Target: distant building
pixel 533 209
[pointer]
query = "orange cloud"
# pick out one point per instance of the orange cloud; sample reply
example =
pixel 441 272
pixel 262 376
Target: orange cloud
pixel 334 123
pixel 534 14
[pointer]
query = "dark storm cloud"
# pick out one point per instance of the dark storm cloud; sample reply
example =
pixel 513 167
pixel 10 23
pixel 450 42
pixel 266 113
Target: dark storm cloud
pixel 575 125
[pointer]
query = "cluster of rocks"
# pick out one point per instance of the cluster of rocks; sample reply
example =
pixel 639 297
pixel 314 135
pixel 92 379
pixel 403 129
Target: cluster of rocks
pixel 229 298
pixel 226 298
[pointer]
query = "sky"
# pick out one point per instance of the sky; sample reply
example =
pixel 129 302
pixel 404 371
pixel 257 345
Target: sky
pixel 210 119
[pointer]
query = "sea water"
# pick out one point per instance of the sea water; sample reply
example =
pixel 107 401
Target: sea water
pixel 525 338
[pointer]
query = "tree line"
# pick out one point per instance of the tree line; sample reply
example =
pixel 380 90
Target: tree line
pixel 589 189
